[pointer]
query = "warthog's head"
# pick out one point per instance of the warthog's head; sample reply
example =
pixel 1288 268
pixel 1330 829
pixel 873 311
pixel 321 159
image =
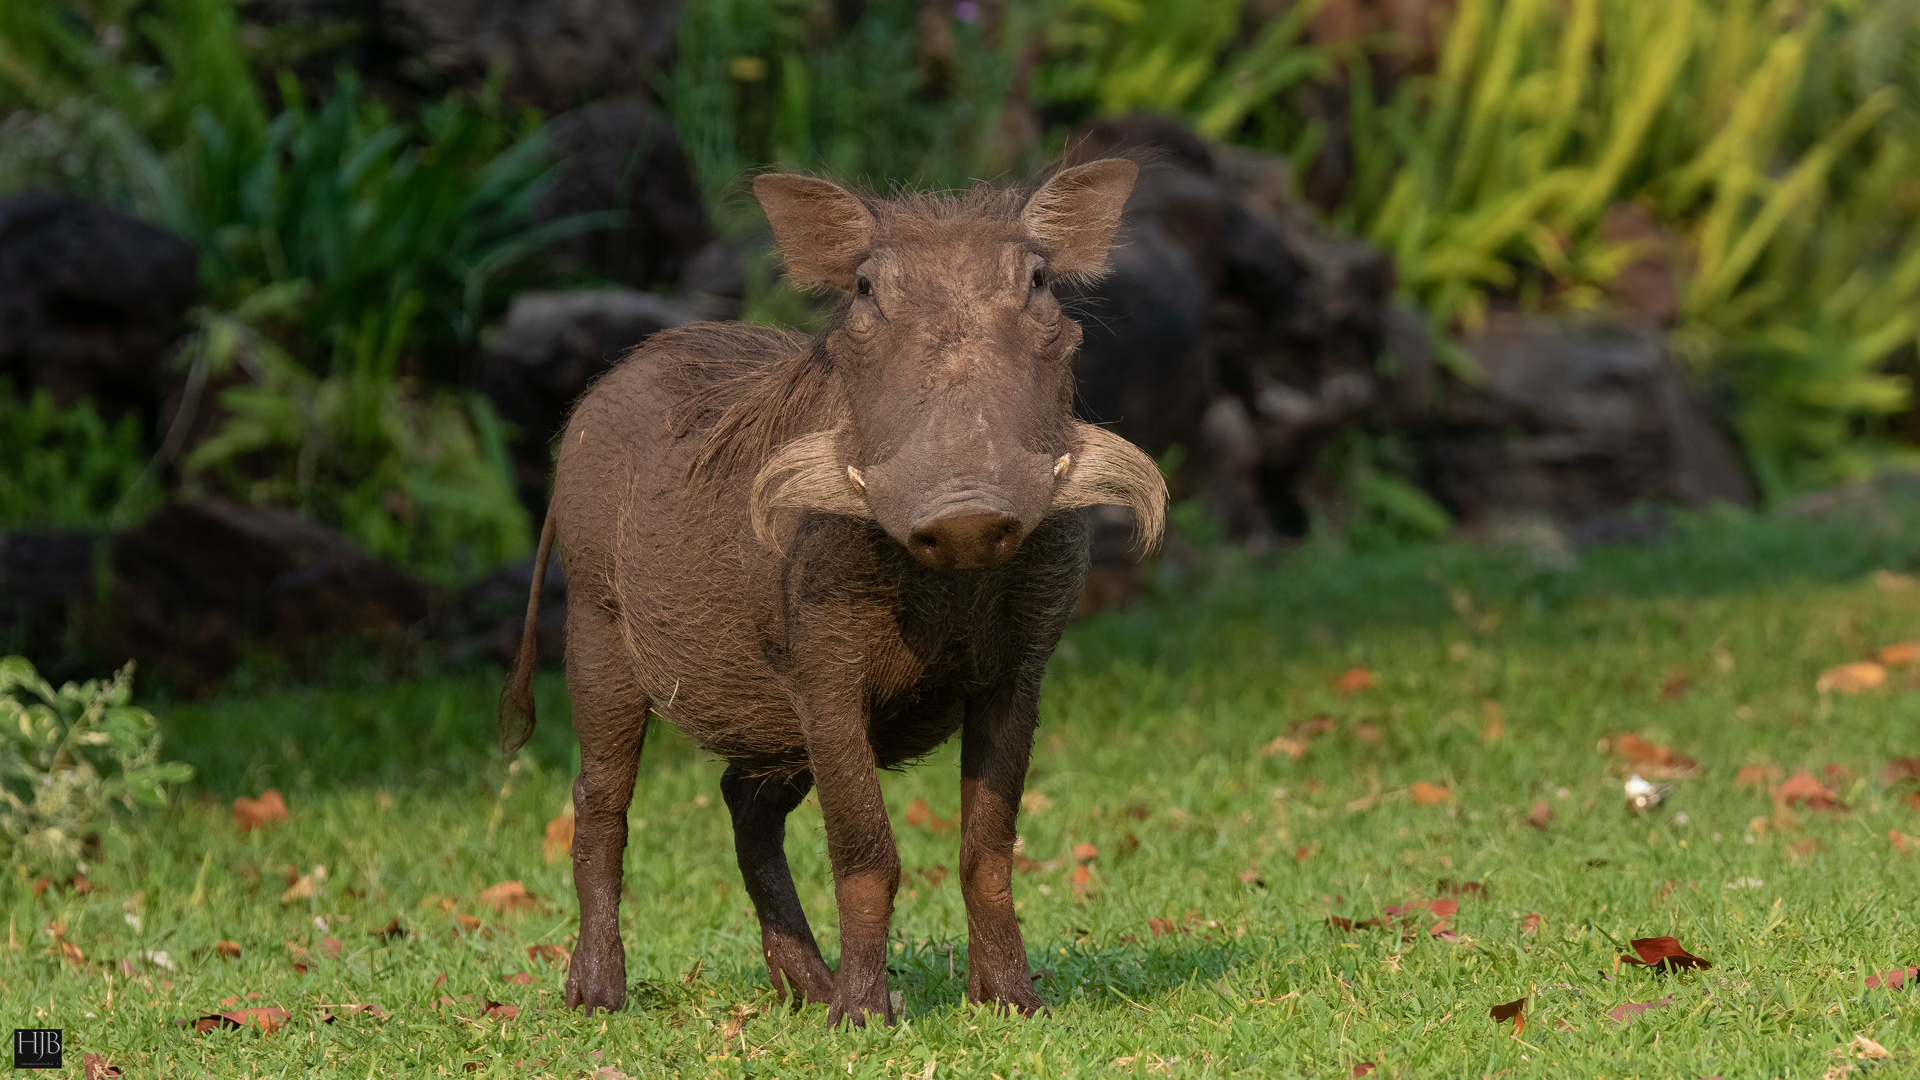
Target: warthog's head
pixel 954 360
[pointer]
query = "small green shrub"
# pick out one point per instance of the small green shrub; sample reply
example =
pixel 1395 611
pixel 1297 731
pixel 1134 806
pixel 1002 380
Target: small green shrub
pixel 71 759
pixel 419 477
pixel 69 468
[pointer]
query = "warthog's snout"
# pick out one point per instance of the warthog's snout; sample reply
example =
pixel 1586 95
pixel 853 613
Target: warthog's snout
pixel 965 538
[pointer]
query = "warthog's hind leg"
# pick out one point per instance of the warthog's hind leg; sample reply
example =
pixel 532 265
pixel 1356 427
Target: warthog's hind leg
pixel 760 808
pixel 610 716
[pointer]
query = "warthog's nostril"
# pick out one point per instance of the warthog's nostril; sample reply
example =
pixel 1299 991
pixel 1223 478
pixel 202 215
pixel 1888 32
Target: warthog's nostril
pixel 966 541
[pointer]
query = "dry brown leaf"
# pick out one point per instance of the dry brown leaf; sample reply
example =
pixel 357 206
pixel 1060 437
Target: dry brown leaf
pixel 1364 1068
pixel 97 1068
pixel 1902 843
pixel 558 842
pixel 306 886
pixel 494 1010
pixel 1530 925
pixel 1756 775
pixel 1899 654
pixel 250 814
pixel 1801 789
pixel 1851 678
pixel 228 949
pixel 1674 683
pixel 1085 852
pixel 741 1013
pixel 1653 761
pixel 331 948
pixel 1623 1013
pixel 1864 1049
pixel 1082 881
pixel 518 978
pixel 507 897
pixel 1540 815
pixel 554 953
pixel 268 1019
pixel 1892 980
pixel 1801 850
pixel 920 815
pixel 393 931
pixel 1354 680
pixel 1429 794
pixel 1512 1010
pixel 1293 748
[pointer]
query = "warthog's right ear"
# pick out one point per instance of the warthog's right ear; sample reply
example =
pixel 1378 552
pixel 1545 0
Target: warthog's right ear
pixel 1074 215
pixel 823 230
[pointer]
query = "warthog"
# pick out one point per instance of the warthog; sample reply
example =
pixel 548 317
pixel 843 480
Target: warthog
pixel 820 557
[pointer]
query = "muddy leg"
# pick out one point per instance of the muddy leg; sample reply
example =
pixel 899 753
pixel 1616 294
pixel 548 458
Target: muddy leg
pixel 994 746
pixel 760 808
pixel 610 716
pixel 866 865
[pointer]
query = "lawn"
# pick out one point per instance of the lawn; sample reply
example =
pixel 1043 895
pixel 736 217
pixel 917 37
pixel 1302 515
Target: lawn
pixel 1239 785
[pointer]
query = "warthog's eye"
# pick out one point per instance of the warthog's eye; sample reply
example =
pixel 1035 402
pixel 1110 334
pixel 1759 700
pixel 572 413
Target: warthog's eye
pixel 862 286
pixel 1040 277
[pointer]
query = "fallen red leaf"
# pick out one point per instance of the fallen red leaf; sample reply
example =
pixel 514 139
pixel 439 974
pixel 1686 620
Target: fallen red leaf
pixel 1902 843
pixel 1363 1069
pixel 336 1013
pixel 390 932
pixel 81 885
pixel 518 978
pixel 1282 744
pixel 250 814
pixel 228 949
pixel 1663 954
pixel 494 1010
pixel 1530 925
pixel 1623 1013
pixel 1755 775
pixel 1899 654
pixel 1904 770
pixel 1084 852
pixel 920 815
pixel 1803 849
pixel 330 948
pixel 1460 889
pixel 1082 881
pixel 1674 683
pixel 1429 794
pixel 557 844
pixel 98 1069
pixel 1540 815
pixel 1892 980
pixel 268 1019
pixel 1801 789
pixel 1654 762
pixel 554 953
pixel 1354 680
pixel 1442 908
pixel 508 896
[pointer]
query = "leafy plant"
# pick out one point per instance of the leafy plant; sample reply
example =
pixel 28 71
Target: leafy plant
pixel 70 760
pixel 68 467
pixel 418 477
pixel 1789 186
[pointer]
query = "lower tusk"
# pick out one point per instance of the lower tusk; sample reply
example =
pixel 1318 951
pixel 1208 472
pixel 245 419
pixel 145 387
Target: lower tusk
pixel 859 481
pixel 1062 466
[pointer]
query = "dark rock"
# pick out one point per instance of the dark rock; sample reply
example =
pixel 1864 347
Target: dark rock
pixel 90 301
pixel 546 351
pixel 487 617
pixel 199 584
pixel 622 155
pixel 1253 350
pixel 1578 419
pixel 558 53
pixel 46 580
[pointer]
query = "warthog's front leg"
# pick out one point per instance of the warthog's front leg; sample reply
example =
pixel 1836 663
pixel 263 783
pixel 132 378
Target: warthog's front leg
pixel 994 747
pixel 760 807
pixel 866 865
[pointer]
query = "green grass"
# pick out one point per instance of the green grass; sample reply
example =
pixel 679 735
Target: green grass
pixel 1150 749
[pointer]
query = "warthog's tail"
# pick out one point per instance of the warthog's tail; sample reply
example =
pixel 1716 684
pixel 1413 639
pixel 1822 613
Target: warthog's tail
pixel 516 698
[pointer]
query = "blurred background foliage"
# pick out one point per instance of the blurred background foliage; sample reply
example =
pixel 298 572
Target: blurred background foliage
pixel 353 249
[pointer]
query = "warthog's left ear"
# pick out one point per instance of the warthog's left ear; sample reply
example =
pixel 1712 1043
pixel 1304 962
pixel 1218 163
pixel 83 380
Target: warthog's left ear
pixel 824 230
pixel 1074 215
